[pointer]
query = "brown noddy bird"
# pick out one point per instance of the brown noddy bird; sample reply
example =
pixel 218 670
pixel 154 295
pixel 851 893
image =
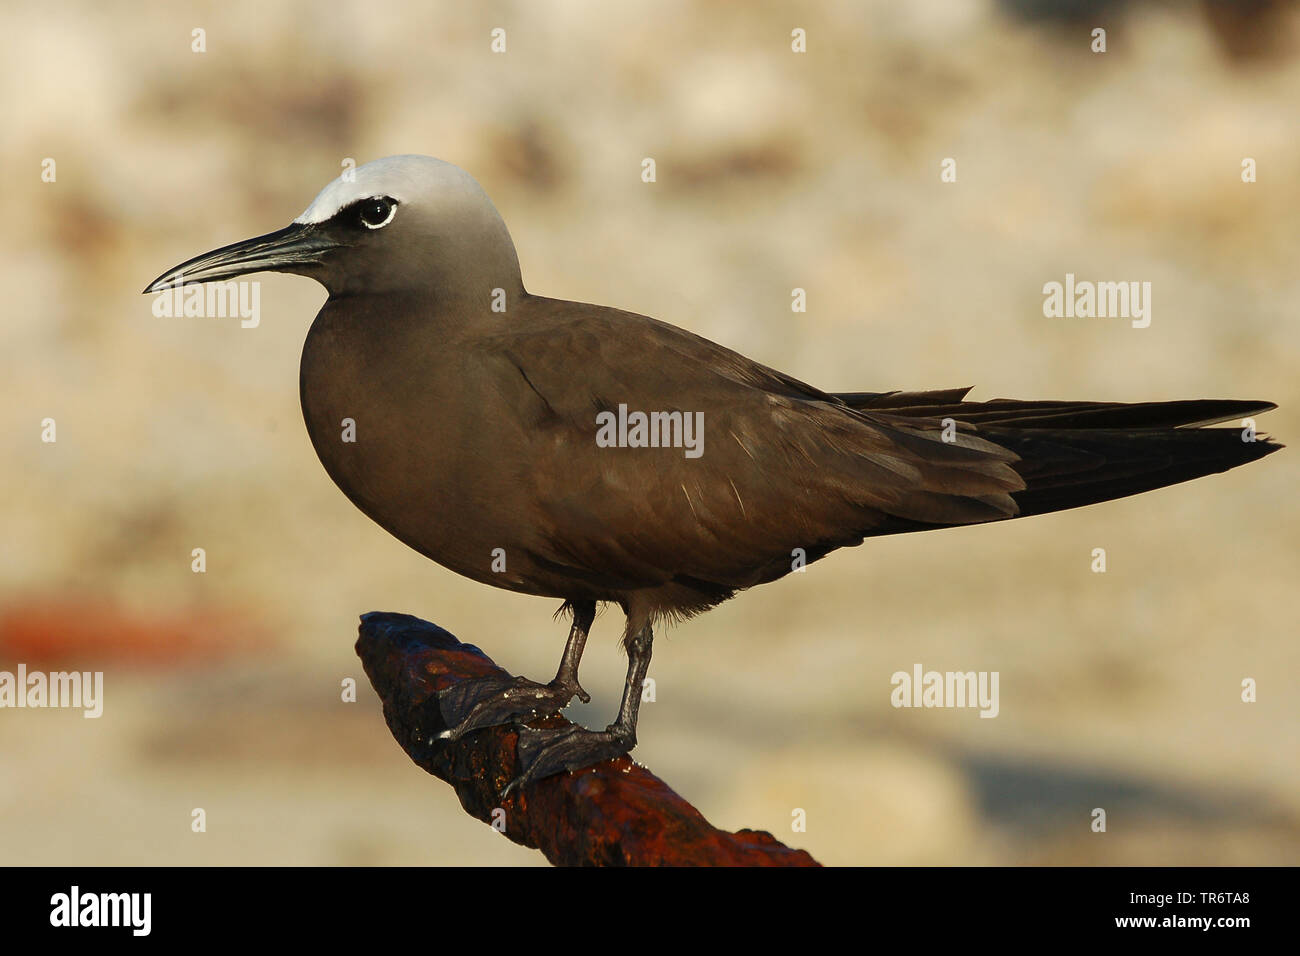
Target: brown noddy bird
pixel 584 453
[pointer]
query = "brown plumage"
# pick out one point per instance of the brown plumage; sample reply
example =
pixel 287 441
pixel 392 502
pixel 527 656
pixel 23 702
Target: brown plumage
pixel 476 409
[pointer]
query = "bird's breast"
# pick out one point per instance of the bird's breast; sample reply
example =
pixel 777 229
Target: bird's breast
pixel 398 425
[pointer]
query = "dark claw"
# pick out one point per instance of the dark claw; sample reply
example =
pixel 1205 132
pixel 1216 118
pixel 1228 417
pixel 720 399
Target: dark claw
pixel 491 701
pixel 546 751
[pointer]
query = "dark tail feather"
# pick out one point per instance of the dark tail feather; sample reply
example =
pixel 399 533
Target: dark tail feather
pixel 947 403
pixel 1068 468
pixel 1080 453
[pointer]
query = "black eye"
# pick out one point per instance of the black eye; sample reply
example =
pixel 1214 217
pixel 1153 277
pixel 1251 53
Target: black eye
pixel 376 213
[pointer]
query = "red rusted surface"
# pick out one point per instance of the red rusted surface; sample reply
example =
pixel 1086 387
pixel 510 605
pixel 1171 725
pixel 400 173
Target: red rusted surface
pixel 614 814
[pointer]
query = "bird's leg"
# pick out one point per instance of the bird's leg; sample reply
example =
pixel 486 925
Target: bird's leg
pixel 549 750
pixel 566 678
pixel 489 701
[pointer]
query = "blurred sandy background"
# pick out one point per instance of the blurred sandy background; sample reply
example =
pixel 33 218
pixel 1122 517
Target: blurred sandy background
pixel 775 171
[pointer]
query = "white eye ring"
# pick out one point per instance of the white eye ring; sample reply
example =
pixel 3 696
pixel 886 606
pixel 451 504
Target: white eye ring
pixel 392 211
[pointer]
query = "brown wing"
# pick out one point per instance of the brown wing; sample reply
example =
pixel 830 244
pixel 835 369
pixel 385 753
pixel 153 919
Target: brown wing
pixel 783 466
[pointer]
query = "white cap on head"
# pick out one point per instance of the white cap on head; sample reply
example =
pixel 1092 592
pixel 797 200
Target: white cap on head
pixel 397 177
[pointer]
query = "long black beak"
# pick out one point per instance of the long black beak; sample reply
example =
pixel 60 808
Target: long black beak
pixel 291 249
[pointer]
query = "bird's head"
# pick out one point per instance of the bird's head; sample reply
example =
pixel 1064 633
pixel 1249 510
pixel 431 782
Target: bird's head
pixel 400 224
